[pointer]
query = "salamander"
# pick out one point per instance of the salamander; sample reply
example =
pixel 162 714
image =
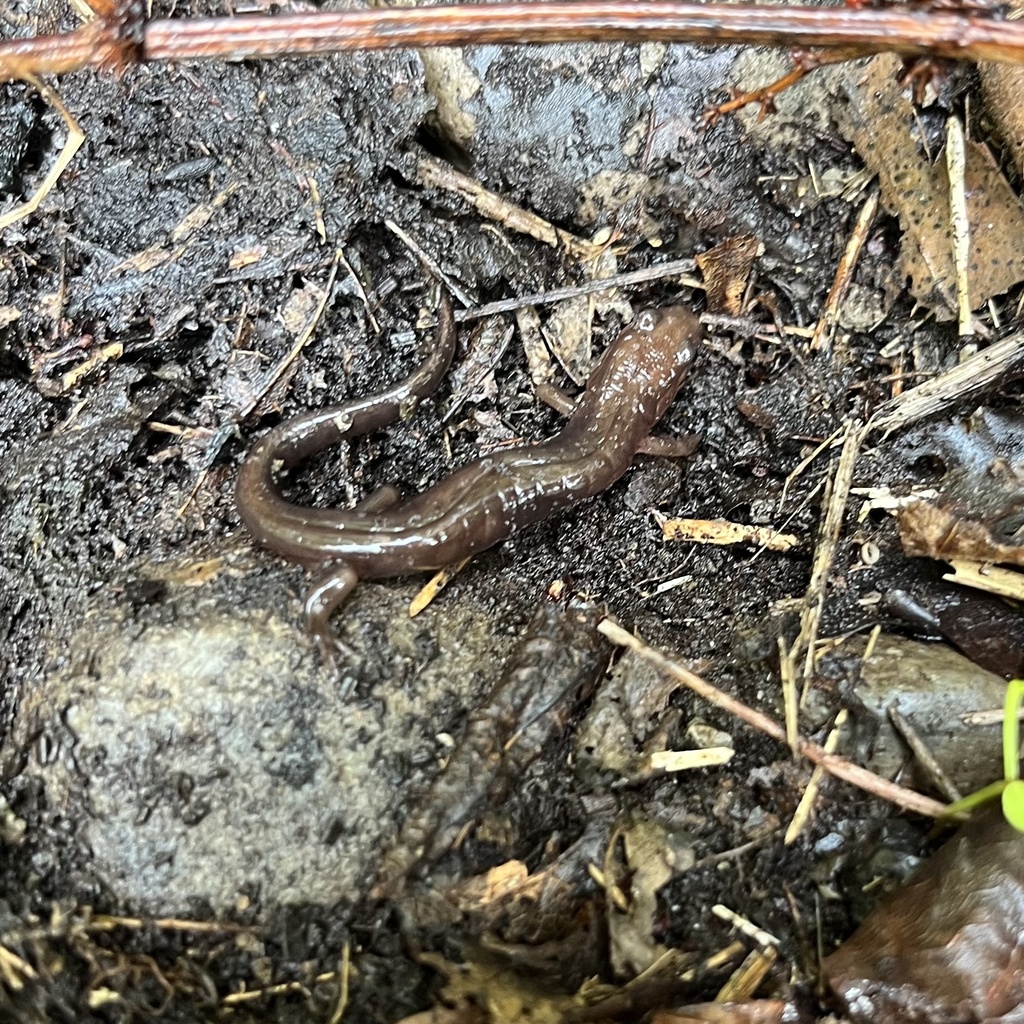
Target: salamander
pixel 486 501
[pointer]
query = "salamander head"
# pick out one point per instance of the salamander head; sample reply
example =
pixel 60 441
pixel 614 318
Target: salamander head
pixel 636 379
pixel 653 355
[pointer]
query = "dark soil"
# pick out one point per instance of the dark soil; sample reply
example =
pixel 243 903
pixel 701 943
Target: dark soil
pixel 138 683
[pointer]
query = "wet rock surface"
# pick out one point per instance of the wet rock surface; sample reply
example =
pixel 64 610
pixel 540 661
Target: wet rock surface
pixel 211 760
pixel 936 689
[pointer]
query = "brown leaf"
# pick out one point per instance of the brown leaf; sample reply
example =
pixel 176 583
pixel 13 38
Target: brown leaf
pixel 881 124
pixel 726 269
pixel 927 531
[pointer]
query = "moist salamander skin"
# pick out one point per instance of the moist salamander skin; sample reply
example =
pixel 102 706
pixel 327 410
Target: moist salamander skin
pixel 481 504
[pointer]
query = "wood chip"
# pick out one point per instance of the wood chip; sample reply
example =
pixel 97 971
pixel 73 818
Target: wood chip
pixel 721 532
pixel 433 587
pixel 726 268
pixel 684 760
pixel 982 576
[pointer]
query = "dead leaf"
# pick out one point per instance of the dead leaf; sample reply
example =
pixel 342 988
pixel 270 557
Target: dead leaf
pixel 642 855
pixel 927 531
pixel 881 124
pixel 300 307
pixel 1002 86
pixel 726 269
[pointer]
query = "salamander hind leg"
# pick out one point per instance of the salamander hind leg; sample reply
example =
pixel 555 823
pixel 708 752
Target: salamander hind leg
pixel 667 447
pixel 554 397
pixel 380 500
pixel 331 585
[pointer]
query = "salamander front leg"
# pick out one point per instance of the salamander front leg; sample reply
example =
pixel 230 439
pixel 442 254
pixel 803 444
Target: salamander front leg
pixel 331 586
pixel 667 447
pixel 555 398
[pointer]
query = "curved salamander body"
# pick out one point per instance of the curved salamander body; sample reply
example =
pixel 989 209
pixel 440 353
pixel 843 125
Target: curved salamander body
pixel 486 501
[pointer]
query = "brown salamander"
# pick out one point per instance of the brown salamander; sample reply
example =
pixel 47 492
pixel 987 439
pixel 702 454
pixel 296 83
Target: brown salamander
pixel 485 502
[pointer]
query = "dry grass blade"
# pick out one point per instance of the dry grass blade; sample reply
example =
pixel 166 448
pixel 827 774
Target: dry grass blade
pixel 71 146
pixel 836 496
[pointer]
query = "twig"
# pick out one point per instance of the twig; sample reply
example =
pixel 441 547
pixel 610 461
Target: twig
pixel 747 978
pixel 426 594
pixel 992 717
pixel 744 925
pixel 942 782
pixel 979 371
pixel 790 695
pixel 832 763
pixel 429 262
pixel 13 969
pixel 436 173
pixel 360 290
pixel 660 271
pixel 122 37
pixel 982 576
pixel 844 275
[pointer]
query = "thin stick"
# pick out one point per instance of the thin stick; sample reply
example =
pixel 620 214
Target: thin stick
pixel 428 261
pixel 939 779
pixel 833 763
pixel 658 272
pixel 123 38
pixel 844 275
pixel 871 31
pixel 979 371
pixel 679 269
pixel 436 173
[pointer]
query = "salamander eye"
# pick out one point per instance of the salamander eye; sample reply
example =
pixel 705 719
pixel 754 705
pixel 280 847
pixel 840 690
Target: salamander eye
pixel 646 319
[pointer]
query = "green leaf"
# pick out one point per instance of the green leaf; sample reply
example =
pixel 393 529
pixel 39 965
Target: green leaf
pixel 1013 804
